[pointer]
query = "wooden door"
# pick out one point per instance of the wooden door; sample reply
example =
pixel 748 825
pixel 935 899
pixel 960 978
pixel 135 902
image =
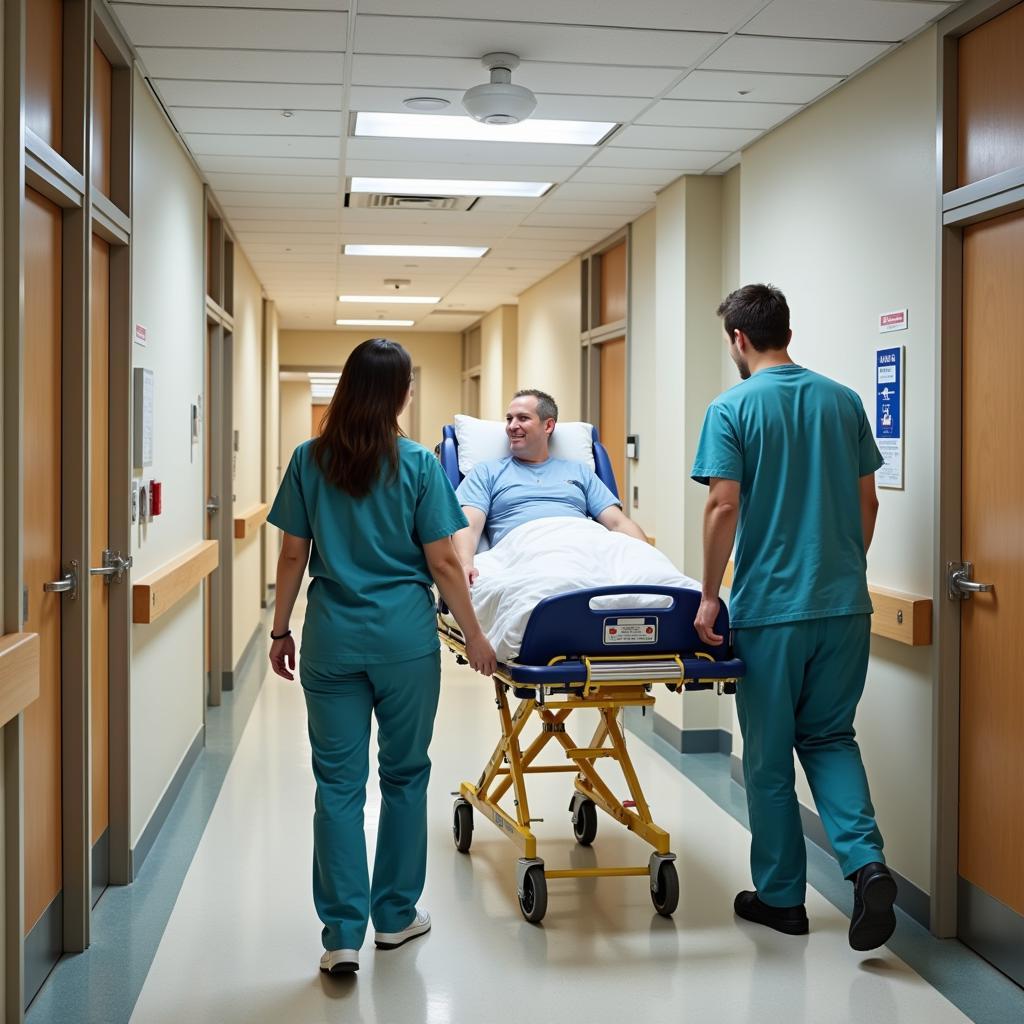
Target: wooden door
pixel 42 551
pixel 99 540
pixel 207 490
pixel 612 427
pixel 992 625
pixel 319 415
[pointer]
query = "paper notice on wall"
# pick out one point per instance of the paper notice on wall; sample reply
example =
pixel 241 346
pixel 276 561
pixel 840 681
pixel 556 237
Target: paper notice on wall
pixel 889 415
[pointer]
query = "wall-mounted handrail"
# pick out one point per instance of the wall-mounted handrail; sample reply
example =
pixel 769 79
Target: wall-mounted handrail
pixel 158 591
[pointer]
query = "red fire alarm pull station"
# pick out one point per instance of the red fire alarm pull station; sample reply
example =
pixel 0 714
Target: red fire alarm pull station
pixel 156 497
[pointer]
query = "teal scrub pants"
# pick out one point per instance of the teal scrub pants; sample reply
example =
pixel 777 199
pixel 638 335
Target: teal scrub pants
pixel 340 700
pixel 801 689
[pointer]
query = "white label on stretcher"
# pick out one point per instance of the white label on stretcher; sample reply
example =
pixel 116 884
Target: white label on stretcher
pixel 631 631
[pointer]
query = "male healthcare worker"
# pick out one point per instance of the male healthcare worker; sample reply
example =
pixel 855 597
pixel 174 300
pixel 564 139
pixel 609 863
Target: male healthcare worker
pixel 789 456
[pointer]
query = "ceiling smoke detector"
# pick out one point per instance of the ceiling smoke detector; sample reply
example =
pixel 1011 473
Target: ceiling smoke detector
pixel 499 101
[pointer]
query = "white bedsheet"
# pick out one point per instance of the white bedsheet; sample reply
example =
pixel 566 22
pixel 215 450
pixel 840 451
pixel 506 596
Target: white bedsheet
pixel 552 556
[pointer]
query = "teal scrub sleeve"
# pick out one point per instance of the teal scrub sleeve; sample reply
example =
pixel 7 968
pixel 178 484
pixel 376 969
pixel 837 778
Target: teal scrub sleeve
pixel 289 509
pixel 719 453
pixel 475 489
pixel 870 457
pixel 599 497
pixel 438 513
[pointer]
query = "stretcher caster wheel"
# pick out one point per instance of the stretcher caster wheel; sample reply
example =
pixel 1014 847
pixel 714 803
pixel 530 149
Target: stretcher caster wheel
pixel 462 825
pixel 533 900
pixel 584 822
pixel 666 896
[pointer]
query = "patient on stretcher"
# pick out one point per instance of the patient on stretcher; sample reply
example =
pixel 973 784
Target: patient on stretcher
pixel 552 527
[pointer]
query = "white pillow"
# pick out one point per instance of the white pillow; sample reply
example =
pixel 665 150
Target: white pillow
pixel 484 440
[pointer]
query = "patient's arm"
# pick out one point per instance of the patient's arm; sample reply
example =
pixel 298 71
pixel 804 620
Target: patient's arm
pixel 721 515
pixel 468 540
pixel 614 519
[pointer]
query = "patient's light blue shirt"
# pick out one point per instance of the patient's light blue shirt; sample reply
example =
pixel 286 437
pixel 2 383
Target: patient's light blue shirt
pixel 798 443
pixel 510 492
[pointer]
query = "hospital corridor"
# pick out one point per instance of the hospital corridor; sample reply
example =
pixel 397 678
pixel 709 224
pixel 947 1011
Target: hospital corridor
pixel 511 511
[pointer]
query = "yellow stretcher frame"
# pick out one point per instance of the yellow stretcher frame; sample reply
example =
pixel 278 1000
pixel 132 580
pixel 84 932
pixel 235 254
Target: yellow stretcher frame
pixel 510 764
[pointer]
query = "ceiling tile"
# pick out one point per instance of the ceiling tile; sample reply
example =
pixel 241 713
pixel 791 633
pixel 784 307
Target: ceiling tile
pixel 214 164
pixel 592 220
pixel 643 136
pixel 211 27
pixel 628 209
pixel 440 220
pixel 887 20
pixel 272 183
pixel 499 204
pixel 584 236
pixel 425 73
pixel 228 121
pixel 255 95
pixel 255 197
pixel 731 161
pixel 611 193
pixel 440 37
pixel 458 171
pixel 657 176
pixel 744 86
pixel 717 114
pixel 669 159
pixel 306 229
pixel 468 154
pixel 320 147
pixel 803 56
pixel 293 215
pixel 243 65
pixel 291 5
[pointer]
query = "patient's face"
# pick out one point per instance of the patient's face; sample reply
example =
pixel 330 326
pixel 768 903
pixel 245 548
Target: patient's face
pixel 527 433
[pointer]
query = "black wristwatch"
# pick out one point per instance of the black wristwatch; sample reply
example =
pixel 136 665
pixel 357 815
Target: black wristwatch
pixel 287 632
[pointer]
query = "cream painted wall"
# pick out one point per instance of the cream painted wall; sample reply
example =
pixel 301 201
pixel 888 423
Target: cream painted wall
pixel 167 695
pixel 820 198
pixel 643 376
pixel 271 437
pixel 438 355
pixel 247 401
pixel 296 420
pixel 549 338
pixel 498 360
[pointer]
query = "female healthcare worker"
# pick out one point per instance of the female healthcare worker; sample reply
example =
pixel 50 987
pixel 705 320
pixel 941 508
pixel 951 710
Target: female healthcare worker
pixel 374 514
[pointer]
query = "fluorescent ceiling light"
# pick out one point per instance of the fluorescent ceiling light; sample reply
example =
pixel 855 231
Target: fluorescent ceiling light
pixel 375 323
pixel 451 187
pixel 465 129
pixel 456 252
pixel 423 300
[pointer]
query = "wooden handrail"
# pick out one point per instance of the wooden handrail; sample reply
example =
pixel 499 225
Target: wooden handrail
pixel 19 673
pixel 158 591
pixel 249 522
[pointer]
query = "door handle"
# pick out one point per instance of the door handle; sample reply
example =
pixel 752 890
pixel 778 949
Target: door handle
pixel 67 584
pixel 114 567
pixel 213 505
pixel 960 586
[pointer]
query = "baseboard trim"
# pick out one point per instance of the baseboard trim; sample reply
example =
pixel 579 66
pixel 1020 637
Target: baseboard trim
pixel 911 899
pixel 992 929
pixel 140 851
pixel 44 946
pixel 692 741
pixel 100 866
pixel 248 652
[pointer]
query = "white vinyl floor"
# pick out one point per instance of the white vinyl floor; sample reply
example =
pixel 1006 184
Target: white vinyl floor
pixel 243 942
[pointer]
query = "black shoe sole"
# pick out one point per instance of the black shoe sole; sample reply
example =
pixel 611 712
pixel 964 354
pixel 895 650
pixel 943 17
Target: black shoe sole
pixel 345 967
pixel 396 945
pixel 874 926
pixel 786 927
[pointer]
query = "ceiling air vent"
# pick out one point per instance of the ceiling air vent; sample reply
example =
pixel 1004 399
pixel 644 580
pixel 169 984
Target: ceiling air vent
pixel 378 201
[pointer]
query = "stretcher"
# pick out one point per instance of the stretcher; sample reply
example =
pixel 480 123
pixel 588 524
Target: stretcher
pixel 577 657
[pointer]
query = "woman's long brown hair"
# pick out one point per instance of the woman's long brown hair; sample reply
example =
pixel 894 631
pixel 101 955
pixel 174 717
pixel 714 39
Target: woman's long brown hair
pixel 360 432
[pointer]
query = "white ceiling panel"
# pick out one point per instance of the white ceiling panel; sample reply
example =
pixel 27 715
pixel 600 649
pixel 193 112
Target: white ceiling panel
pixel 272 183
pixel 422 234
pixel 243 65
pixel 441 220
pixel 290 5
pixel 151 25
pixel 617 207
pixel 802 56
pixel 731 161
pixel 181 92
pixel 585 236
pixel 647 136
pixel 759 88
pixel 716 114
pixel 609 193
pixel 692 15
pixel 480 172
pixel 666 159
pixel 535 248
pixel 656 176
pixel 497 204
pixel 274 198
pixel 302 229
pixel 307 243
pixel 558 107
pixel 307 146
pixel 234 121
pixel 608 222
pixel 583 44
pixel 424 73
pixel 288 215
pixel 214 164
pixel 503 154
pixel 886 20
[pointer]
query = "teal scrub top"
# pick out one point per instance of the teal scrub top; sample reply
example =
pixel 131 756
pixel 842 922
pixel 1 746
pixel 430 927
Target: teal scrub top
pixel 798 443
pixel 370 599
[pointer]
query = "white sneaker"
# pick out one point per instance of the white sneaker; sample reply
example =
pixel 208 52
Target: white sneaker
pixel 340 961
pixel 392 940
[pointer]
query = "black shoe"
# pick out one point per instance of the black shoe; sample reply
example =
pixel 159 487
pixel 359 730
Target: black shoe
pixel 873 921
pixel 790 920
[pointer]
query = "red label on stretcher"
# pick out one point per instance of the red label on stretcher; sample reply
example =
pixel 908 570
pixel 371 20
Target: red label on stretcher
pixel 635 630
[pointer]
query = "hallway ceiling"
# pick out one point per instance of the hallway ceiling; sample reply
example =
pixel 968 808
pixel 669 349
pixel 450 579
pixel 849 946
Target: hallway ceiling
pixel 263 92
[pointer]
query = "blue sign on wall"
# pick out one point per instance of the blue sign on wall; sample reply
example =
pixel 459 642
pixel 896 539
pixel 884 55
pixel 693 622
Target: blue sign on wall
pixel 889 414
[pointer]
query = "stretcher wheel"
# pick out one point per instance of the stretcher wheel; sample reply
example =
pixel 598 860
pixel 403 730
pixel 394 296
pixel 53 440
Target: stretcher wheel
pixel 534 901
pixel 462 825
pixel 584 828
pixel 666 897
